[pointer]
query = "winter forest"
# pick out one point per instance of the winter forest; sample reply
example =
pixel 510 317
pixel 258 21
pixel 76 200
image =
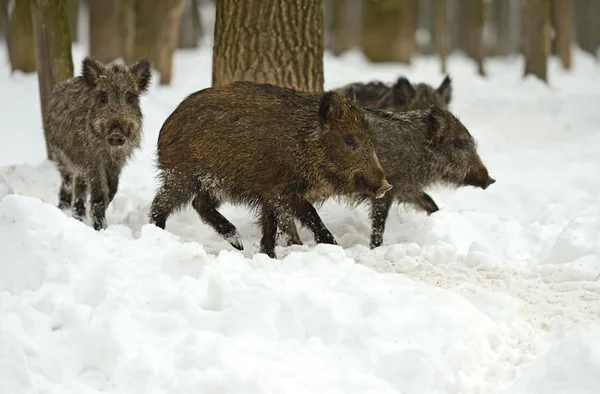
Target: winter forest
pixel 300 196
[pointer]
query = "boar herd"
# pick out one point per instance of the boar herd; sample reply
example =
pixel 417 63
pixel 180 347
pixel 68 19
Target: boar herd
pixel 276 150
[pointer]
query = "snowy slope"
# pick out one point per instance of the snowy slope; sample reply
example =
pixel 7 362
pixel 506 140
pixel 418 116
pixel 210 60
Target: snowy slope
pixel 499 292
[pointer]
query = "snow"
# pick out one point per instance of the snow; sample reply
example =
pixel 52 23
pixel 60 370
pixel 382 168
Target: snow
pixel 498 292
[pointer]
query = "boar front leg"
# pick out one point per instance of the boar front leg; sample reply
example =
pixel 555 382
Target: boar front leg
pixel 269 231
pixel 112 179
pixel 380 208
pixel 308 216
pixel 65 194
pixel 288 230
pixel 426 203
pixel 206 207
pixel 80 197
pixel 98 199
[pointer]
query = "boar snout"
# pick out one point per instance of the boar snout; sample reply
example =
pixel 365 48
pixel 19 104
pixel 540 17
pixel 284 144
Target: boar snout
pixel 374 184
pixel 116 137
pixel 479 178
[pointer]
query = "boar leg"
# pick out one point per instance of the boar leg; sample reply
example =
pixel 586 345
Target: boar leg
pixel 65 194
pixel 171 195
pixel 80 197
pixel 308 216
pixel 98 200
pixel 289 230
pixel 112 178
pixel 206 207
pixel 269 231
pixel 425 202
pixel 380 207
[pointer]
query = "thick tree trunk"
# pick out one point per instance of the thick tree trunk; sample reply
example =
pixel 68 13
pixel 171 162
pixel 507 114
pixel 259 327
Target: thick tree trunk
pixel 190 30
pixel 74 20
pixel 562 20
pixel 275 41
pixel 4 18
pixel 587 15
pixel 126 22
pixel 20 44
pixel 441 46
pixel 471 31
pixel 389 28
pixel 167 39
pixel 535 37
pixel 52 46
pixel 502 27
pixel 105 40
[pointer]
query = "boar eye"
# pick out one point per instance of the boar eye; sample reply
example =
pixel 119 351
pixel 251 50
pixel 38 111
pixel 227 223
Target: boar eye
pixel 461 144
pixel 131 98
pixel 103 98
pixel 350 141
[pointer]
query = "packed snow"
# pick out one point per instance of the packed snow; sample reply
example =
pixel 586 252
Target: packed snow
pixel 498 292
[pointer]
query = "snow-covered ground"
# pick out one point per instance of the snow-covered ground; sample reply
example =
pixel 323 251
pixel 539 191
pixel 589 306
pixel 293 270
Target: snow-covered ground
pixel 498 292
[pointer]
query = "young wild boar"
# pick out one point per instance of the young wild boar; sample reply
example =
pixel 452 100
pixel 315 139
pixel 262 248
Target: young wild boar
pixel 93 125
pixel 417 149
pixel 402 96
pixel 272 148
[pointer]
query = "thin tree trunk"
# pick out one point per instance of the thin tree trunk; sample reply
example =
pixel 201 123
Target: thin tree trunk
pixel 440 33
pixel 453 23
pixel 105 41
pixel 20 43
pixel 562 19
pixel 339 27
pixel 167 39
pixel 502 27
pixel 425 12
pixel 74 19
pixel 476 35
pixel 4 18
pixel 587 15
pixel 188 36
pixel 535 37
pixel 145 36
pixel 389 27
pixel 52 47
pixel 290 55
pixel 126 22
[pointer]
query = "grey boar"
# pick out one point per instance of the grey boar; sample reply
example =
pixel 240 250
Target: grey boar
pixel 417 149
pixel 268 147
pixel 401 96
pixel 93 126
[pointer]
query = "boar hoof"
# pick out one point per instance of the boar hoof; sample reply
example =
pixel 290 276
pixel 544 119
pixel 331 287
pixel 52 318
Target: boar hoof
pixel 100 224
pixel 235 240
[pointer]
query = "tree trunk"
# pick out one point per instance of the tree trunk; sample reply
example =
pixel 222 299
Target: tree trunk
pixel 535 37
pixel 105 41
pixel 4 18
pixel 389 28
pixel 52 47
pixel 502 27
pixel 425 13
pixel 74 20
pixel 273 41
pixel 471 31
pixel 453 22
pixel 190 30
pixel 440 33
pixel 562 20
pixel 167 39
pixel 587 15
pixel 126 22
pixel 20 44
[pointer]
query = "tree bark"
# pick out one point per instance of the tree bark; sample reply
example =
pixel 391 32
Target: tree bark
pixel 126 22
pixel 74 20
pixel 562 20
pixel 167 39
pixel 20 44
pixel 441 46
pixel 52 47
pixel 535 37
pixel 4 18
pixel 105 41
pixel 269 41
pixel 587 15
pixel 389 28
pixel 190 30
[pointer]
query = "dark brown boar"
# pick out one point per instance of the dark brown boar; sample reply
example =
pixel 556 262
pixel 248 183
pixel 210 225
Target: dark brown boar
pixel 271 148
pixel 401 96
pixel 93 126
pixel 417 150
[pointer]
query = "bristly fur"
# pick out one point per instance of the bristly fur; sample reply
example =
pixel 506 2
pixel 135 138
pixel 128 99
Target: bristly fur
pixel 270 148
pixel 85 115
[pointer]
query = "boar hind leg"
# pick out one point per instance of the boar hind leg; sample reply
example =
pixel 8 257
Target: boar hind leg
pixel 308 216
pixel 172 194
pixel 380 209
pixel 426 203
pixel 80 198
pixel 112 178
pixel 269 231
pixel 289 230
pixel 65 194
pixel 206 207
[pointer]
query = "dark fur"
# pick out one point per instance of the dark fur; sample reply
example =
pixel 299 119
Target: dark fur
pixel 272 148
pixel 417 149
pixel 401 96
pixel 85 113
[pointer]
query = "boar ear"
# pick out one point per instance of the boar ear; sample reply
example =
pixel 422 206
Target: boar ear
pixel 402 91
pixel 437 125
pixel 330 107
pixel 351 94
pixel 92 70
pixel 445 90
pixel 142 72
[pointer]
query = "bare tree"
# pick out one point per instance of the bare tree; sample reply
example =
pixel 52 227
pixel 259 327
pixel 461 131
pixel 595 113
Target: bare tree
pixel 105 40
pixel 190 30
pixel 536 17
pixel 74 20
pixel 562 21
pixel 440 33
pixel 20 40
pixel 52 46
pixel 276 41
